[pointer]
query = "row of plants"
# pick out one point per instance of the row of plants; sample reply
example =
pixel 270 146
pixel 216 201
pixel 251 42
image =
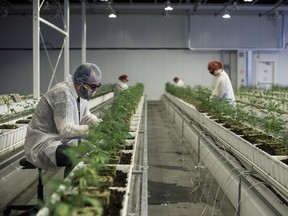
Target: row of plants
pixel 267 132
pixel 96 186
pixel 261 98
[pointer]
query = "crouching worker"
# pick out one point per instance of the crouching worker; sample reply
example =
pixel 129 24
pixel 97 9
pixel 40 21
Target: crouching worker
pixel 61 119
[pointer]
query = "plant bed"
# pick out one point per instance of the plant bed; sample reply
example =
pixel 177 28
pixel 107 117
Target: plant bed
pixel 270 165
pixel 8 126
pixel 114 159
pixel 284 161
pixel 120 179
pixel 23 121
pixel 115 204
pixel 273 149
pixel 84 203
pixel 132 135
pixel 129 144
pixel 102 194
pixel 9 138
pixel 107 170
pixel 88 211
pixel 126 158
pixel 128 147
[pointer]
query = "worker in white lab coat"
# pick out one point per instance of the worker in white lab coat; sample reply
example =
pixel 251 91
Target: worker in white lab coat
pixel 223 89
pixel 122 84
pixel 178 82
pixel 62 118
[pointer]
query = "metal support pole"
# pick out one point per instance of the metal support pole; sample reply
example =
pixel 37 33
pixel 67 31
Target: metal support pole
pixel 67 45
pixel 239 196
pixel 249 68
pixel 83 48
pixel 36 48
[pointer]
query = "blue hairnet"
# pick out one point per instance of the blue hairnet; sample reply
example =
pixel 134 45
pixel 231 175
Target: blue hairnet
pixel 87 73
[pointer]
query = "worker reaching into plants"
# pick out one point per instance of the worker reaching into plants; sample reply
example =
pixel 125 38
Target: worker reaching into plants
pixel 61 119
pixel 223 88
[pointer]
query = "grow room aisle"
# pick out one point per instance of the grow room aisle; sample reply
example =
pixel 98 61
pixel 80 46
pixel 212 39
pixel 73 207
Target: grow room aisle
pixel 175 186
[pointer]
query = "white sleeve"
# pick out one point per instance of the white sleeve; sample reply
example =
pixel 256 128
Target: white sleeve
pixel 88 117
pixel 66 116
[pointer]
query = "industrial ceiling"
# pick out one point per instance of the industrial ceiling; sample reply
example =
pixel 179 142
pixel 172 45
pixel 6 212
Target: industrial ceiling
pixel 260 7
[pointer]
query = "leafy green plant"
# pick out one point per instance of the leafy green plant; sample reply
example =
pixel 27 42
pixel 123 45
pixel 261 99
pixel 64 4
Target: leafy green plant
pixel 66 201
pixel 252 118
pixel 236 113
pixel 272 122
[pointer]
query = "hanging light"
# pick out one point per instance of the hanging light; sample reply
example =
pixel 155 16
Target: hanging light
pixel 112 14
pixel 226 15
pixel 110 7
pixel 168 6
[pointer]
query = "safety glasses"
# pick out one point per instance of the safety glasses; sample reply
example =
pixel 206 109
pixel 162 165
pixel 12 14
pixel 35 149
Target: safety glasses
pixel 93 86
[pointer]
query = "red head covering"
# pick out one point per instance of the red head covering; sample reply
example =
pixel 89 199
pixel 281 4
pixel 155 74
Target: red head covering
pixel 176 79
pixel 214 65
pixel 123 77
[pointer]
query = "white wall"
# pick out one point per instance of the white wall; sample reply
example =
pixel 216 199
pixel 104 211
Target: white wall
pixel 149 48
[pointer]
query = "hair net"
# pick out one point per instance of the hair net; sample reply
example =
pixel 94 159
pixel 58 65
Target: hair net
pixel 214 65
pixel 123 77
pixel 175 79
pixel 87 73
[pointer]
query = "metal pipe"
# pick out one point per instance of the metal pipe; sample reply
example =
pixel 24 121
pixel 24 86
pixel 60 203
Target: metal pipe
pixel 52 26
pixel 144 196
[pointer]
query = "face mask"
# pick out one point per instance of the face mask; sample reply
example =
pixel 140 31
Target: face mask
pixel 212 72
pixel 85 93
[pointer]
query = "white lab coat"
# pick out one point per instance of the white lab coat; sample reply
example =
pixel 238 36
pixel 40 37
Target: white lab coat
pixel 223 88
pixel 180 83
pixel 119 86
pixel 56 121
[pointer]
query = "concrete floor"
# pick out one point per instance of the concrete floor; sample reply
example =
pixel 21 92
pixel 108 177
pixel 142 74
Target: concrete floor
pixel 175 186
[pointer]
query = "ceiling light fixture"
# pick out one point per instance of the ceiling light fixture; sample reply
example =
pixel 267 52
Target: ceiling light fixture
pixel 168 6
pixel 248 0
pixel 110 7
pixel 112 14
pixel 226 15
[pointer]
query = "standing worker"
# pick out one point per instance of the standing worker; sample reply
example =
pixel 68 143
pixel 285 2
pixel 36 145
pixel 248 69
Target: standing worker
pixel 61 119
pixel 223 87
pixel 121 84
